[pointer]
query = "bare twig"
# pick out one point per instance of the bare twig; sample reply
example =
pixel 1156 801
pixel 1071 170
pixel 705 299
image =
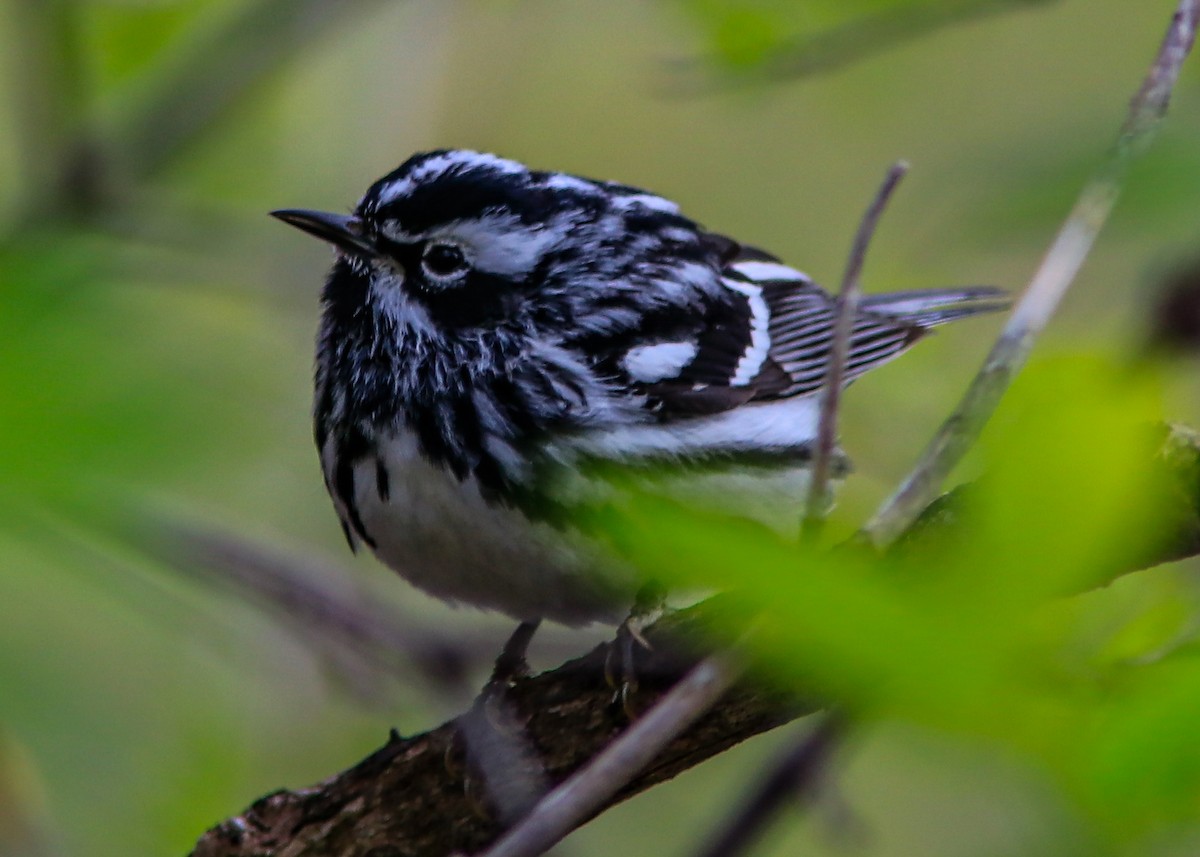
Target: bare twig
pixel 791 779
pixel 1051 281
pixel 581 796
pixel 843 327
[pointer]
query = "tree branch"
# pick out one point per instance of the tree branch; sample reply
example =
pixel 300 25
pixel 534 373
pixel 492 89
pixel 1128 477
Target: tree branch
pixel 417 795
pixel 586 792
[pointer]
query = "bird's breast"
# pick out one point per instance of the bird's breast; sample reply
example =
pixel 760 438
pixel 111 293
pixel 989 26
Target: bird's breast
pixel 452 539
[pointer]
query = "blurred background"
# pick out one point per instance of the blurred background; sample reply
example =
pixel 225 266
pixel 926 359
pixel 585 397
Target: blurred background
pixel 181 626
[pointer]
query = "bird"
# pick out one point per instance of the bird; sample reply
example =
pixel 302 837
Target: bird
pixel 493 337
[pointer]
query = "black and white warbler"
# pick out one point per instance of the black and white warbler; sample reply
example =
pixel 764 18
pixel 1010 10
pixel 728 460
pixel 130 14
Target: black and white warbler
pixel 491 331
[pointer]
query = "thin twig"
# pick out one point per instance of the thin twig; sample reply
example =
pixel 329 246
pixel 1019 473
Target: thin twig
pixel 791 779
pixel 583 794
pixel 1051 281
pixel 843 326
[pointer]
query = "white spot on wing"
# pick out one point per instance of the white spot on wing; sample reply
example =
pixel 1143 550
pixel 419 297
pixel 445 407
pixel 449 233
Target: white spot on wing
pixel 760 338
pixel 657 362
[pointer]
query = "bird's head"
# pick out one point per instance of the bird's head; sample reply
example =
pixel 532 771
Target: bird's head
pixel 459 240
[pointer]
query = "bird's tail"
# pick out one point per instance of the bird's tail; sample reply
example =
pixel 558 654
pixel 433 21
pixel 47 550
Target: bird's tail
pixel 931 307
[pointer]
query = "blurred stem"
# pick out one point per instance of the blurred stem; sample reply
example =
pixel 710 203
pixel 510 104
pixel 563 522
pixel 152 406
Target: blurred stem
pixel 1046 289
pixel 59 169
pixel 792 779
pixel 882 31
pixel 871 34
pixel 843 326
pixel 223 71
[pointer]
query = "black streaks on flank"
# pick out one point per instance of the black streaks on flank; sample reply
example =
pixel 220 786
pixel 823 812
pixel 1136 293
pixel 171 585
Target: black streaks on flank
pixel 343 483
pixel 424 421
pixel 510 399
pixel 468 430
pixel 382 483
pixel 348 534
pixel 352 449
pixel 450 433
pixel 541 508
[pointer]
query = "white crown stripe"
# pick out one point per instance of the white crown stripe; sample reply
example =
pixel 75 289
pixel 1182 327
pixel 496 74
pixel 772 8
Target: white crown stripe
pixel 769 272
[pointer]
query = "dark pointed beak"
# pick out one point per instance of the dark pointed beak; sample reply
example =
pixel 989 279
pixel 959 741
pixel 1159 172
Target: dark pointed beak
pixel 341 230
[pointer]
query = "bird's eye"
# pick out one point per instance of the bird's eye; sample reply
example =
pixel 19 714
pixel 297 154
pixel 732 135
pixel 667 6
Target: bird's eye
pixel 442 259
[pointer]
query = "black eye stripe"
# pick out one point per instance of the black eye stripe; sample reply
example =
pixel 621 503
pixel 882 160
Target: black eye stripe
pixel 405 254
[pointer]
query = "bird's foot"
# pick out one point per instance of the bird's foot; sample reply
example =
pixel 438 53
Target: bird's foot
pixel 620 664
pixel 511 664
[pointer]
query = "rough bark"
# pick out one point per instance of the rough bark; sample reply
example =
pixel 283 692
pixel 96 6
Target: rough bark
pixel 419 795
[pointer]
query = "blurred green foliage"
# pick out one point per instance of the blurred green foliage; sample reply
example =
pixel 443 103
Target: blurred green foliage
pixel 969 636
pixel 155 336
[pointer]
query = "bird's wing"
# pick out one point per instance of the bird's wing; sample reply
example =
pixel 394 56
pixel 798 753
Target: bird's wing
pixel 767 333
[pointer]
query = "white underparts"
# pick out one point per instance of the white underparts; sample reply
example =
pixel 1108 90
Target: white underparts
pixel 444 536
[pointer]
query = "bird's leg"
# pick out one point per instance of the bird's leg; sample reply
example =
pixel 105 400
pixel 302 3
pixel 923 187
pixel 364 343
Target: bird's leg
pixel 620 667
pixel 493 741
pixel 511 663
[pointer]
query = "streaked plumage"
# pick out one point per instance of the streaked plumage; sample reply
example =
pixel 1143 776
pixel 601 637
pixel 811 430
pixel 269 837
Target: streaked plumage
pixel 489 331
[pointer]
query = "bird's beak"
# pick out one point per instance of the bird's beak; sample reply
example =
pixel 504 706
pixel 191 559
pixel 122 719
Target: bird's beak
pixel 340 230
